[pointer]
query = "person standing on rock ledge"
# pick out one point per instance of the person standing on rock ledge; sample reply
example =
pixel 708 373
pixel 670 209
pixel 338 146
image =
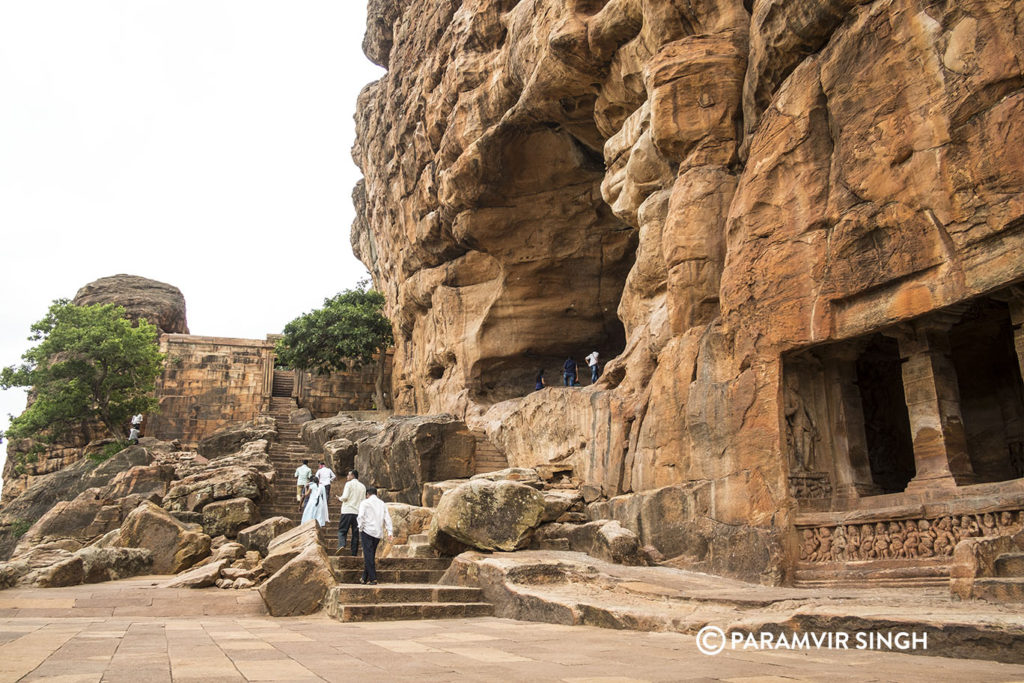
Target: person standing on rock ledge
pixel 351 497
pixel 592 363
pixel 302 475
pixel 569 372
pixel 374 521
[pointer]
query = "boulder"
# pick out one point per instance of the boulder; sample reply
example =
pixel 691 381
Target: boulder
pixel 258 536
pixel 199 577
pixel 195 492
pixel 229 551
pixel 243 582
pixel 285 547
pixel 442 543
pixel 316 433
pixel 159 303
pixel 606 540
pixel 142 480
pixel 433 490
pixel 411 450
pixel 560 501
pixel 67 572
pixel 175 546
pixel 227 517
pixel 340 454
pixel 110 564
pixel 300 416
pixel 523 475
pixel 231 438
pixel 491 515
pixel 408 520
pixel 300 585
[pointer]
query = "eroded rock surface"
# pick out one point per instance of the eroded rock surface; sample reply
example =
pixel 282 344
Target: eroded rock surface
pixel 159 303
pixel 490 515
pixel 694 189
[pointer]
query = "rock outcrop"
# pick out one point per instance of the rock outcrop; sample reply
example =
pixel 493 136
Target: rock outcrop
pixel 175 546
pixel 694 189
pixel 159 303
pixel 490 515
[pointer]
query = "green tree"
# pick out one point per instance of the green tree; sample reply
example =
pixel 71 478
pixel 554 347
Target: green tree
pixel 90 363
pixel 347 332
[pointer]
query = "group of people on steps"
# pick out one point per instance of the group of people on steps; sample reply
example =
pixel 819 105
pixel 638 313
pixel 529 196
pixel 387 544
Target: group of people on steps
pixel 362 512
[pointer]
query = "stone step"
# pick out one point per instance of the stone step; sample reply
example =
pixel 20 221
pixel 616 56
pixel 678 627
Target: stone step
pixel 411 610
pixel 413 550
pixel 924 582
pixel 409 592
pixel 390 575
pixel 1009 565
pixel 426 563
pixel 999 589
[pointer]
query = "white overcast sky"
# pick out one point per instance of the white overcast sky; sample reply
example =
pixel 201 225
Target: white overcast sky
pixel 204 143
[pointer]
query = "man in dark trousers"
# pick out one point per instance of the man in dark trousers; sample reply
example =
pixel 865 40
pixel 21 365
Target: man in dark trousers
pixel 374 521
pixel 569 372
pixel 351 497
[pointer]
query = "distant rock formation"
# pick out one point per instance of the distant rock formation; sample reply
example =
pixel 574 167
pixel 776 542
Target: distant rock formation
pixel 158 302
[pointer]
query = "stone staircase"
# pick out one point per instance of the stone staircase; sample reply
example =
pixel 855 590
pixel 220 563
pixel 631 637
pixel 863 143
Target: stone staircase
pixel 407 589
pixel 1008 583
pixel 286 454
pixel 488 458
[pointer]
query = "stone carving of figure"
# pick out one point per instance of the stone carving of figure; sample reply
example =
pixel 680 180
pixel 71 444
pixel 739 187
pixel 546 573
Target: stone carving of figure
pixel 801 434
pixel 944 539
pixel 896 536
pixel 970 527
pixel 926 542
pixel 1006 520
pixel 910 546
pixel 867 542
pixel 988 525
pixel 825 544
pixel 881 542
pixel 809 547
pixel 839 545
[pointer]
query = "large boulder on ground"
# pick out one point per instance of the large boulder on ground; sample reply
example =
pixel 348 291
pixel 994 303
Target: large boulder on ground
pixel 409 520
pixel 411 450
pixel 491 515
pixel 227 517
pixel 300 416
pixel 141 480
pixel 316 433
pixel 443 544
pixel 433 490
pixel 559 501
pixel 175 546
pixel 231 438
pixel 524 475
pixel 300 585
pixel 159 303
pixel 197 491
pixel 111 564
pixel 604 539
pixel 258 536
pixel 70 520
pixel 340 454
pixel 290 544
pixel 199 577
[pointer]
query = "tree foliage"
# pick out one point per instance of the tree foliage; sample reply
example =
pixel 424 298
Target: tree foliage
pixel 89 363
pixel 347 332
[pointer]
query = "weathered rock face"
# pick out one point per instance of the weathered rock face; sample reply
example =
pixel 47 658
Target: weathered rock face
pixel 161 304
pixel 490 515
pixel 411 450
pixel 258 536
pixel 175 546
pixel 694 189
pixel 228 517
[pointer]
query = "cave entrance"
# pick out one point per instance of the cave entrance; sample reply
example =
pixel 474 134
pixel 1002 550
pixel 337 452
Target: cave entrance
pixel 889 444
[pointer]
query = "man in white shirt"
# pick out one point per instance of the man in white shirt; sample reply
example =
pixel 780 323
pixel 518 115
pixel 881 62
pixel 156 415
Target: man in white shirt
pixel 351 497
pixel 137 420
pixel 302 475
pixel 374 521
pixel 133 435
pixel 592 363
pixel 325 475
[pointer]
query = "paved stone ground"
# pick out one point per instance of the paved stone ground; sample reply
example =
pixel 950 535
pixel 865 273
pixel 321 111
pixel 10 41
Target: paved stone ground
pixel 133 630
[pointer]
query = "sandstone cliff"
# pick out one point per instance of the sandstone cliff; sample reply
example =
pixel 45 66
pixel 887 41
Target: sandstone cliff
pixel 694 189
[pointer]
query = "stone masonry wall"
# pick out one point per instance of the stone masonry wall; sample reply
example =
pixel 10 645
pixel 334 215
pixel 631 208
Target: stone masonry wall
pixel 208 383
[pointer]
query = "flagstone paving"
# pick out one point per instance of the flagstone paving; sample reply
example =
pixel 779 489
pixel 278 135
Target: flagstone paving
pixel 133 630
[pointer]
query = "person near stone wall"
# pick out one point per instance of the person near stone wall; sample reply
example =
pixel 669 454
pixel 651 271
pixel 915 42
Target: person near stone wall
pixel 351 496
pixel 302 475
pixel 134 434
pixel 374 521
pixel 592 363
pixel 325 475
pixel 569 372
pixel 539 382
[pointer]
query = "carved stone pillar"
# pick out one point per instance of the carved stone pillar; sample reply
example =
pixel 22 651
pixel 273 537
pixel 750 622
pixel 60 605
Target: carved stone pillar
pixel 933 405
pixel 846 408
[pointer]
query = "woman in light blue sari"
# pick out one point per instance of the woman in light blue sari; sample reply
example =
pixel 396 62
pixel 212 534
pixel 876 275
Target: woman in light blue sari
pixel 316 506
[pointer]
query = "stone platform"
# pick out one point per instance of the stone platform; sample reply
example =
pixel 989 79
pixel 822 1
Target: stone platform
pixel 132 630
